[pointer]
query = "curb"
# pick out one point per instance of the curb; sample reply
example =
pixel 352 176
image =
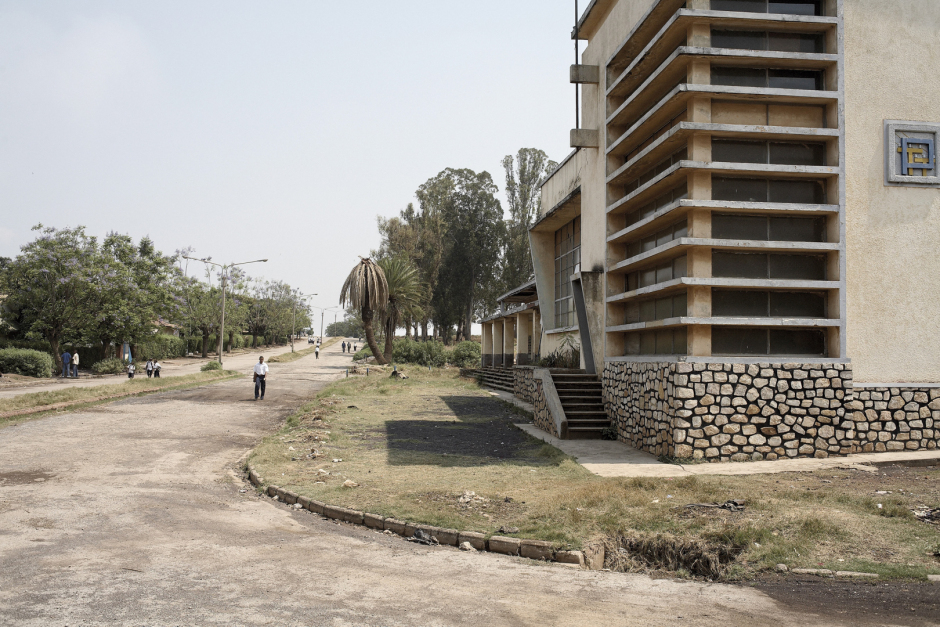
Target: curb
pixel 539 550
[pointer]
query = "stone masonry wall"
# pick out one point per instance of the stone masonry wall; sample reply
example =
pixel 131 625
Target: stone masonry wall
pixel 895 419
pixel 639 399
pixel 524 384
pixel 739 412
pixel 542 416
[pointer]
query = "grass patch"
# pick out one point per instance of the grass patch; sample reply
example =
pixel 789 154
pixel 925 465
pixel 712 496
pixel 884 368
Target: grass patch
pixel 436 449
pixel 288 357
pixel 38 400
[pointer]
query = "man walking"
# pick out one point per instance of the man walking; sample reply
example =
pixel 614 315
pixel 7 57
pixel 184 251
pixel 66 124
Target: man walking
pixel 344 346
pixel 149 368
pixel 316 351
pixel 66 360
pixel 261 373
pixel 75 365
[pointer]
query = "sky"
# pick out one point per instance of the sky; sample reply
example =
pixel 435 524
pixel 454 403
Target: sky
pixel 276 130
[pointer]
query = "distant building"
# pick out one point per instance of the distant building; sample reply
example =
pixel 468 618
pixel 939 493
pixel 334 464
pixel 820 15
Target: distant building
pixel 745 236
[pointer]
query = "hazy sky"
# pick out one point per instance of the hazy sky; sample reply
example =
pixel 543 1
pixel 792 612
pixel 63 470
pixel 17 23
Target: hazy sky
pixel 272 129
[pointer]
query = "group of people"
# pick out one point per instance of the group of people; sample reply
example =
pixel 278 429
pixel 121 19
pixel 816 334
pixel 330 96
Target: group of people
pixel 152 367
pixel 349 347
pixel 69 365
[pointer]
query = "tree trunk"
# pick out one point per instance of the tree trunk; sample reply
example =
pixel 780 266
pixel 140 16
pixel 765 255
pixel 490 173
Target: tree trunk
pixel 424 330
pixel 56 355
pixel 370 336
pixel 408 329
pixel 205 343
pixel 390 325
pixel 231 340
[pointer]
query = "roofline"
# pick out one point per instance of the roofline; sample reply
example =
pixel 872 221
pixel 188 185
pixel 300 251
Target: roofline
pixel 558 167
pixel 515 289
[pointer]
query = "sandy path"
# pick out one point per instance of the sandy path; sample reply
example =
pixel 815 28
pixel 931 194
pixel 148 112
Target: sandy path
pixel 130 514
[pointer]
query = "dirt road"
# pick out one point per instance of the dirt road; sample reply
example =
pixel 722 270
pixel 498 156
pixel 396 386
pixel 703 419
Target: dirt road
pixel 132 514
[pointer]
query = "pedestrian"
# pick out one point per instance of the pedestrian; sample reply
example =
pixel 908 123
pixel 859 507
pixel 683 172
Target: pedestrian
pixel 75 365
pixel 130 370
pixel 66 360
pixel 261 374
pixel 149 368
pixel 156 368
pixel 344 346
pixel 316 351
pixel 355 346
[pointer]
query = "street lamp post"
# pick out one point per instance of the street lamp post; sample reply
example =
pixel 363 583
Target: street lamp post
pixel 322 313
pixel 293 324
pixel 225 268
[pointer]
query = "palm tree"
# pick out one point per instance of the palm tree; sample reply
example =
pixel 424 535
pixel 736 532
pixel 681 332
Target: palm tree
pixel 366 289
pixel 405 291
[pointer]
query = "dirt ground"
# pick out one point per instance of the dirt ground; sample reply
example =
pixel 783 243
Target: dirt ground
pixel 134 513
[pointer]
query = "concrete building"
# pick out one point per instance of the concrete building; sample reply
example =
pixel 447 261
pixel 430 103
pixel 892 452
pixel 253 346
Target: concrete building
pixel 745 235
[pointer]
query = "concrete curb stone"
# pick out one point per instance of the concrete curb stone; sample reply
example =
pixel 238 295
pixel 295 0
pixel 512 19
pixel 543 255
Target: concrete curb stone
pixel 536 550
pixel 504 545
pixel 570 557
pixel 331 511
pixel 821 572
pixel 410 529
pixel 395 526
pixel 353 516
pixel 848 574
pixel 316 507
pixel 374 522
pixel 476 540
pixel 933 579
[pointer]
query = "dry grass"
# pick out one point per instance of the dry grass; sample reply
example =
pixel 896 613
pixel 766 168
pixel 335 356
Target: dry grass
pixel 133 386
pixel 417 447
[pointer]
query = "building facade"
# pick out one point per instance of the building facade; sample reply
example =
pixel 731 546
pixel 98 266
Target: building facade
pixel 745 235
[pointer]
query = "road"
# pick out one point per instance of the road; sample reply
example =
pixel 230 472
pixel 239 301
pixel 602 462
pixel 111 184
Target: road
pixel 134 514
pixel 241 361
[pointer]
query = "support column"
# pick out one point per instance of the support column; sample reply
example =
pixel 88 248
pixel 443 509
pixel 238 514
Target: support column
pixel 509 341
pixel 524 337
pixel 486 349
pixel 498 327
pixel 536 333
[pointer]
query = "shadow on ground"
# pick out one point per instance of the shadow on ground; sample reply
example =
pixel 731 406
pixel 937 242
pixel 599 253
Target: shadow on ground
pixel 475 431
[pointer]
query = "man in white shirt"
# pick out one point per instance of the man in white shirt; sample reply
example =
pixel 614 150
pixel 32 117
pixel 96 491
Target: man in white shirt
pixel 75 365
pixel 261 373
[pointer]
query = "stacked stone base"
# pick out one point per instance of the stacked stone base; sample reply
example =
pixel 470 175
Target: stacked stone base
pixel 743 412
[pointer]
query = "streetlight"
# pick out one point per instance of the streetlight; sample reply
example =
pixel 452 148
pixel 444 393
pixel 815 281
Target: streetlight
pixel 293 324
pixel 322 312
pixel 224 269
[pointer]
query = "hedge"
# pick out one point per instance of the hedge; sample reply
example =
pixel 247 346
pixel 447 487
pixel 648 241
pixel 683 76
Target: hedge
pixel 25 361
pixel 431 353
pixel 161 346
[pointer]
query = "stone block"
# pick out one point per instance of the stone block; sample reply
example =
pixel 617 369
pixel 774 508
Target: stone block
pixel 288 497
pixel 374 521
pixel 353 516
pixel 594 554
pixel 504 545
pixel 570 557
pixel 272 490
pixel 334 512
pixel 476 540
pixel 536 550
pixel 848 574
pixel 395 526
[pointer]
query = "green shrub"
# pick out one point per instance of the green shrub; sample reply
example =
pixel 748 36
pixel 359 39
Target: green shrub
pixel 27 362
pixel 466 355
pixel 111 365
pixel 212 365
pixel 161 346
pixel 364 352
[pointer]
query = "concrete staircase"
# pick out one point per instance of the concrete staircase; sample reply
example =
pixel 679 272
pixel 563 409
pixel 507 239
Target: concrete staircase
pixel 496 378
pixel 582 401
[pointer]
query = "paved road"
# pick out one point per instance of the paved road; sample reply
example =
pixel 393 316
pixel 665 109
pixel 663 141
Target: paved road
pixel 170 368
pixel 132 514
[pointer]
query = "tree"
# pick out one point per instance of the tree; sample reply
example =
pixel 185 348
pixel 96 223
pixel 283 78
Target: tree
pixel 132 290
pixel 366 290
pixel 523 175
pixel 349 326
pixel 50 284
pixel 405 292
pixel 474 237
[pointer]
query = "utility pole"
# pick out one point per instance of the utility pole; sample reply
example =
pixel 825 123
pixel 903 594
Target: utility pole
pixel 224 270
pixel 322 314
pixel 293 325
